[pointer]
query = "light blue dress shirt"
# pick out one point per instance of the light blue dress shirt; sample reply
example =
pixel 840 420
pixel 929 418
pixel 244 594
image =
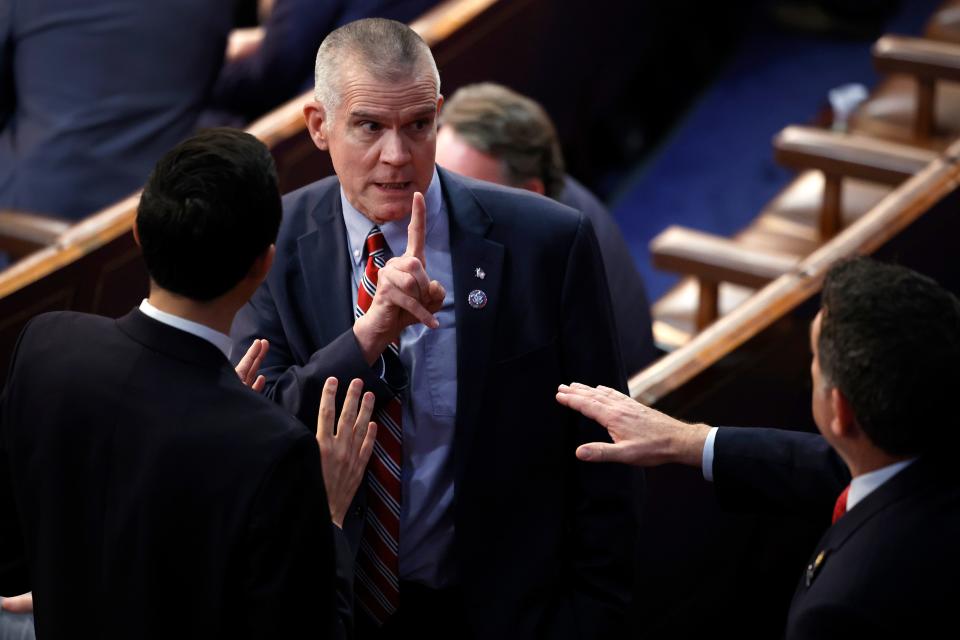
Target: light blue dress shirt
pixel 430 401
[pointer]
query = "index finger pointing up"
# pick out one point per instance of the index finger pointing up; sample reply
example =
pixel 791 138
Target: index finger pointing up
pixel 416 231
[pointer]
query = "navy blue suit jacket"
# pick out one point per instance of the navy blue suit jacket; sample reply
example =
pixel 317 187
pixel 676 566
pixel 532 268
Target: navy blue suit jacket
pixel 544 543
pixel 886 569
pixel 631 308
pixel 92 93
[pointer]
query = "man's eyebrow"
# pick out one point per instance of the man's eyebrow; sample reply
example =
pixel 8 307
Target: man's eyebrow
pixel 428 112
pixel 366 115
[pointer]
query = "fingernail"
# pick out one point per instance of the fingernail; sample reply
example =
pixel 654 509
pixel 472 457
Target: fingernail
pixel 585 453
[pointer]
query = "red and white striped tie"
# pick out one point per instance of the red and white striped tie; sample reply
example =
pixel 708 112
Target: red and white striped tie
pixel 377 574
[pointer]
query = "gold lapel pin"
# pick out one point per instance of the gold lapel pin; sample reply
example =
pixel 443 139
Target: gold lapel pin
pixel 814 567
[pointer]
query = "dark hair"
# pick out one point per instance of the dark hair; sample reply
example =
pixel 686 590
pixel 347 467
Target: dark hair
pixel 890 342
pixel 210 208
pixel 512 128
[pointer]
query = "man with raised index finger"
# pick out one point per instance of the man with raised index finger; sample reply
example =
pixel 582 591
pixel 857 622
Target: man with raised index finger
pixel 461 305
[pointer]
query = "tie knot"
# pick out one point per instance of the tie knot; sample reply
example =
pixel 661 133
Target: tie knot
pixel 375 241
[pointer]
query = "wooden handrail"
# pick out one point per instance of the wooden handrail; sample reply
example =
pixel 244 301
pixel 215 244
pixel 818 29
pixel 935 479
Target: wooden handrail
pixel 716 258
pixel 849 155
pixel 894 213
pixel 920 57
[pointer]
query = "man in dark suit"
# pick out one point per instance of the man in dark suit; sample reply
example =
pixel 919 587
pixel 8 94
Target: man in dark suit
pixel 93 93
pixel 476 521
pixel 492 133
pixel 886 366
pixel 146 492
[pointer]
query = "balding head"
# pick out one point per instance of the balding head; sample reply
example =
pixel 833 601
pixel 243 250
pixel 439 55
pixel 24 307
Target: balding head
pixel 387 50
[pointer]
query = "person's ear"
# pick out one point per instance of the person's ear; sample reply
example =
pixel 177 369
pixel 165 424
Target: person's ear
pixel 136 234
pixel 534 184
pixel 844 423
pixel 316 117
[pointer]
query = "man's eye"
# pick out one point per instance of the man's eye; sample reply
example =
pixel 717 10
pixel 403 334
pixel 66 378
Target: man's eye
pixel 370 127
pixel 421 125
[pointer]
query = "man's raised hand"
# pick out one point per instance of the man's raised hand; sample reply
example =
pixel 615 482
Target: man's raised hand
pixel 250 364
pixel 641 436
pixel 344 453
pixel 404 296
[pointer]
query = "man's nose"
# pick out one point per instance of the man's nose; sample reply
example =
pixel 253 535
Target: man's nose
pixel 394 151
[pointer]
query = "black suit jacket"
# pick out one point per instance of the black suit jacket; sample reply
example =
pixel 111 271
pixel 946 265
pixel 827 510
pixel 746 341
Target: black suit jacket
pixel 544 543
pixel 887 568
pixel 146 493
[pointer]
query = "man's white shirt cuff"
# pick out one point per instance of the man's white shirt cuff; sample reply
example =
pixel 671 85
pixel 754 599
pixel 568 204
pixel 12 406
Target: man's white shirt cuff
pixel 707 462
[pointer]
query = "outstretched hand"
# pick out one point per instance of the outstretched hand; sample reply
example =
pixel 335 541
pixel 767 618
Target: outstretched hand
pixel 641 436
pixel 249 365
pixel 405 294
pixel 344 453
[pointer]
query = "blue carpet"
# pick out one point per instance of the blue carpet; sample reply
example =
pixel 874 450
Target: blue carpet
pixel 716 171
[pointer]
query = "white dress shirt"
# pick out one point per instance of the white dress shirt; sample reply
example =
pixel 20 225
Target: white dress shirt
pixel 219 340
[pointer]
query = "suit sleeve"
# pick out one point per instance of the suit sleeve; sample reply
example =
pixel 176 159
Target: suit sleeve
pixel 296 384
pixel 603 497
pixel 14 575
pixel 289 573
pixel 283 63
pixel 777 471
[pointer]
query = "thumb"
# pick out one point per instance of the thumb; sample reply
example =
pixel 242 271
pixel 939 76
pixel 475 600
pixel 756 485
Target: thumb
pixel 602 452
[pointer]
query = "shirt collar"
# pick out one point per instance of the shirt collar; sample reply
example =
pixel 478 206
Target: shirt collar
pixel 219 340
pixel 865 484
pixel 395 233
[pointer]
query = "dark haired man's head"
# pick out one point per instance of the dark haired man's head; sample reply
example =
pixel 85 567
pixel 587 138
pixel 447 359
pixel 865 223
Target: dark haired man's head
pixel 495 134
pixel 210 208
pixel 888 339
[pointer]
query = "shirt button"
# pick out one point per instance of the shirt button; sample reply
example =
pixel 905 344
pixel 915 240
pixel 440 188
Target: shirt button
pixel 356 253
pixel 357 511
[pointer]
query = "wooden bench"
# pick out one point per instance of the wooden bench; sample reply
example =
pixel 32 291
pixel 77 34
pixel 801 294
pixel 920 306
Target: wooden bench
pixel 841 178
pixel 705 569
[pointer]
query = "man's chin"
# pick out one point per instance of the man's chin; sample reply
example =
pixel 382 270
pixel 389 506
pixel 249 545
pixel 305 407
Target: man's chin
pixel 390 207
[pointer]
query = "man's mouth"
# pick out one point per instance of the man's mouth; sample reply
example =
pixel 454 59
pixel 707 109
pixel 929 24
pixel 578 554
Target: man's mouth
pixel 393 186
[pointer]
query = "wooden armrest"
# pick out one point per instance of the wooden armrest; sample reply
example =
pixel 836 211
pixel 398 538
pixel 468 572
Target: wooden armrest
pixel 716 258
pixel 920 57
pixel 846 155
pixel 712 260
pixel 23 233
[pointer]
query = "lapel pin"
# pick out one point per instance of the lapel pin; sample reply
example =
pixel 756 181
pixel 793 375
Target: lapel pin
pixel 814 567
pixel 477 299
pixel 480 273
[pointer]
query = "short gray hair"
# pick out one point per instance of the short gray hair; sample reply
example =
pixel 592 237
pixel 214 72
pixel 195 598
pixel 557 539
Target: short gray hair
pixel 387 49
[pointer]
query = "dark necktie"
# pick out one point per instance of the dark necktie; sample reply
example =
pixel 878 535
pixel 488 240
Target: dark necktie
pixel 377 575
pixel 840 507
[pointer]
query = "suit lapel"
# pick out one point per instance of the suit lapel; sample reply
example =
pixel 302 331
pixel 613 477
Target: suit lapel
pixel 325 261
pixel 909 483
pixel 471 249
